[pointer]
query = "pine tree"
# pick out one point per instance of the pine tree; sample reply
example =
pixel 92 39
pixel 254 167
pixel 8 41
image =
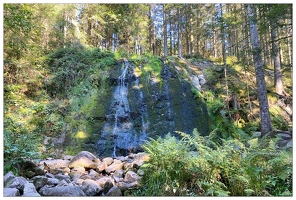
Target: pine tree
pixel 261 85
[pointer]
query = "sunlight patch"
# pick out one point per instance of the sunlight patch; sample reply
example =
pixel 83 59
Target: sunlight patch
pixel 81 135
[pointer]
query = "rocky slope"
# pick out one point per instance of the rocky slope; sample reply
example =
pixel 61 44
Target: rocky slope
pixel 80 175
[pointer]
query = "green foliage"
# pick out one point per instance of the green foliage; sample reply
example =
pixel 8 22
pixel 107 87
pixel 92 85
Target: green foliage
pixel 81 78
pixel 150 65
pixel 17 26
pixel 197 166
pixel 72 65
pixel 19 144
pixel 196 93
pixel 231 60
pixel 166 173
pixel 218 60
pixel 121 53
pixel 278 121
pixel 63 91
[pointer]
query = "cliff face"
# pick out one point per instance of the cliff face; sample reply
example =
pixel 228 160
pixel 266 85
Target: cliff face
pixel 143 107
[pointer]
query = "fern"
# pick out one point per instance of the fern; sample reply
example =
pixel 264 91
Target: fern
pixel 197 166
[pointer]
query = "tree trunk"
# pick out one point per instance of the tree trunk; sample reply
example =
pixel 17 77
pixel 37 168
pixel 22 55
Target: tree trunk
pixel 171 37
pixel 150 30
pixel 191 44
pixel 224 61
pixel 179 34
pixel 260 81
pixel 165 41
pixel 278 82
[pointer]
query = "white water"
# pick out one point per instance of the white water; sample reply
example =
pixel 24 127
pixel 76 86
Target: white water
pixel 119 130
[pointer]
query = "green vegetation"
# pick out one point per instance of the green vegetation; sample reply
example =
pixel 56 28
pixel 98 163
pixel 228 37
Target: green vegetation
pixel 69 99
pixel 61 61
pixel 199 166
pixel 81 79
pixel 149 65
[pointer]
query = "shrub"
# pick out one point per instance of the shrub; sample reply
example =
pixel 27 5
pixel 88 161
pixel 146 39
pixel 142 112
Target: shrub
pixel 19 144
pixel 197 166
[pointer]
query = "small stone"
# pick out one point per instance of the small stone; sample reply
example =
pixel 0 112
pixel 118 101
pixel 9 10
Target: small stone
pixel 256 134
pixel 114 191
pixel 290 144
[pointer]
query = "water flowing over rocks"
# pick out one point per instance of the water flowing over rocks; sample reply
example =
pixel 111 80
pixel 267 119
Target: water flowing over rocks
pixel 80 175
pixel 142 107
pixel 119 133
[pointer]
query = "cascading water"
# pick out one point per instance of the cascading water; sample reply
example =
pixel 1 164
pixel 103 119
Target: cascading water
pixel 139 108
pixel 119 132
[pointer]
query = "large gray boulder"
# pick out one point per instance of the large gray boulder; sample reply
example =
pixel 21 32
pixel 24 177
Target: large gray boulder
pixel 11 192
pixel 7 178
pixel 114 191
pixel 30 190
pixel 18 183
pixel 39 181
pixel 91 188
pixel 73 191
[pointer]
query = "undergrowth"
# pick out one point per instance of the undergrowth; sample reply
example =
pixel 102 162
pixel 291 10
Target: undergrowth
pixel 42 98
pixel 199 166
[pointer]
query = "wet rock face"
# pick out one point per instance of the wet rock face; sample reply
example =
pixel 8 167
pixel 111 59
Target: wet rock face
pixel 176 108
pixel 141 108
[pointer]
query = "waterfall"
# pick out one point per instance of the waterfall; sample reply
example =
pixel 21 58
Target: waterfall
pixel 119 134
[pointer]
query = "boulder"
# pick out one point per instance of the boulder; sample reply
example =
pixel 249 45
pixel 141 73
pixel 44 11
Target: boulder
pixel 108 160
pixel 113 167
pixel 108 185
pixel 30 190
pixel 51 165
pixel 11 192
pixel 290 144
pixel 52 181
pixel 103 180
pixel 63 183
pixel 195 83
pixel 123 186
pixel 73 191
pixel 93 174
pixel 114 191
pixel 284 136
pixel 7 178
pixel 78 181
pixel 30 169
pixel 77 172
pixel 257 134
pixel 85 159
pixel 63 177
pixel 101 167
pixel 131 176
pixel 39 181
pixel 91 188
pixel 119 173
pixel 18 183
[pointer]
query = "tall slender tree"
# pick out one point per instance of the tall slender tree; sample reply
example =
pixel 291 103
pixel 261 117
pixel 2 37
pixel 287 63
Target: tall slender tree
pixel 260 81
pixel 224 57
pixel 179 34
pixel 275 10
pixel 165 41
